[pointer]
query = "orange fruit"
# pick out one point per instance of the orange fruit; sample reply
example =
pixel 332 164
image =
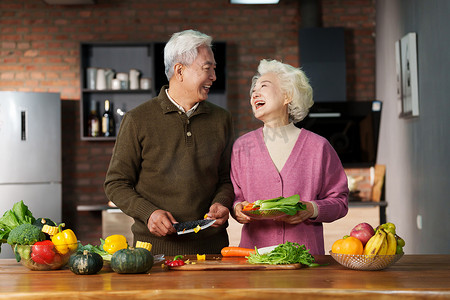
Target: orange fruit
pixel 348 245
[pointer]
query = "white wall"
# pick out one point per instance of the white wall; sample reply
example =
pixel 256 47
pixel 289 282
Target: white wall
pixel 416 151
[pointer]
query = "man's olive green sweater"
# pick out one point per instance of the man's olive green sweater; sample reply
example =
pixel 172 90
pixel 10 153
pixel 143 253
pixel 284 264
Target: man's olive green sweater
pixel 164 160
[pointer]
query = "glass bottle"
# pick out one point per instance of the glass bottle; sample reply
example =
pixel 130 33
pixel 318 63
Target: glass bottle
pixel 108 124
pixel 93 121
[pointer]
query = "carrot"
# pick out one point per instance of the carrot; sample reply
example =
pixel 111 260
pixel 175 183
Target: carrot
pixel 249 207
pixel 236 251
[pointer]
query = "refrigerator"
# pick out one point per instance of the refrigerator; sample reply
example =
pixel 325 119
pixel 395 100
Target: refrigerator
pixel 30 155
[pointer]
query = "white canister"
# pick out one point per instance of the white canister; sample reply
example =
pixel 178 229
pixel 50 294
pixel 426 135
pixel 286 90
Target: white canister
pixel 134 79
pixel 145 83
pixel 115 84
pixel 91 78
pixel 109 75
pixel 101 79
pixel 123 77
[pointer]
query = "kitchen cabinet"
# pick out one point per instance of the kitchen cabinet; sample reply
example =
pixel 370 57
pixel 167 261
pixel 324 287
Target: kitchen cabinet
pixel 121 58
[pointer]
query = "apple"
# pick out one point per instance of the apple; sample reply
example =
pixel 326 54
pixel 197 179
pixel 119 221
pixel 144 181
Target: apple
pixel 363 232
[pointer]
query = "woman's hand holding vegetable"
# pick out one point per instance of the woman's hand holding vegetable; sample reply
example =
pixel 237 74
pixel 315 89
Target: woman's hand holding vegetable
pixel 300 216
pixel 160 223
pixel 219 213
pixel 239 216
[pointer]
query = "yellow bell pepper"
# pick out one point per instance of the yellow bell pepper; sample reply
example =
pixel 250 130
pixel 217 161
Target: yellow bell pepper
pixel 201 257
pixel 114 243
pixel 65 240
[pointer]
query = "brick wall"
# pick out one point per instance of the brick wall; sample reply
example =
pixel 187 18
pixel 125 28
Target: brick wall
pixel 39 51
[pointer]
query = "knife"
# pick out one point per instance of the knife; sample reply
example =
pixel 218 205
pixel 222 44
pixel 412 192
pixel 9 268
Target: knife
pixel 190 226
pixel 266 250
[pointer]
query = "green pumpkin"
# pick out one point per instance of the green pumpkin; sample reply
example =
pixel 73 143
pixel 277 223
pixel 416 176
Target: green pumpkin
pixel 85 263
pixel 39 223
pixel 132 261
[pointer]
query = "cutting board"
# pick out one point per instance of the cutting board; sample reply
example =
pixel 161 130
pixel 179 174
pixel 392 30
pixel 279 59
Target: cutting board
pixel 231 264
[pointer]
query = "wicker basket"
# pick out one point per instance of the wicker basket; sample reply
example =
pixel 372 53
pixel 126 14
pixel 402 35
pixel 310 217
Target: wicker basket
pixel 366 262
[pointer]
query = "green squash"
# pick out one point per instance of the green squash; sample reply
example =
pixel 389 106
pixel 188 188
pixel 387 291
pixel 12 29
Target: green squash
pixel 85 263
pixel 39 223
pixel 132 261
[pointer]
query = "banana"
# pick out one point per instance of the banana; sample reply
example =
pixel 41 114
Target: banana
pixel 384 246
pixel 376 243
pixel 391 243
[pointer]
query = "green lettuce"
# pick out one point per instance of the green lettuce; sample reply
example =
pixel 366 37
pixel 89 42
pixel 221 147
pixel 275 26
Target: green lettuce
pixel 287 253
pixel 18 215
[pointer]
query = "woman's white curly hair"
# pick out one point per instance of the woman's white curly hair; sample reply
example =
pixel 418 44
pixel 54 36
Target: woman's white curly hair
pixel 293 82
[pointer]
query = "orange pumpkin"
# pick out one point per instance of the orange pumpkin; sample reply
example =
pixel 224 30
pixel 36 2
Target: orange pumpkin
pixel 348 245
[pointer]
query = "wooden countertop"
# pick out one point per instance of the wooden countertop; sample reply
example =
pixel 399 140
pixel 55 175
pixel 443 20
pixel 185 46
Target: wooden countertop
pixel 412 277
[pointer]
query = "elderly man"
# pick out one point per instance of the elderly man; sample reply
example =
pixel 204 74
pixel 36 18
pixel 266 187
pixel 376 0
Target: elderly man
pixel 171 159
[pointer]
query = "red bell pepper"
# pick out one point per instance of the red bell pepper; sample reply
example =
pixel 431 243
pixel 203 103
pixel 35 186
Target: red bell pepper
pixel 176 262
pixel 43 252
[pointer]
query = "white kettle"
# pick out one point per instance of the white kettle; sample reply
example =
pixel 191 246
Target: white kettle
pixel 134 79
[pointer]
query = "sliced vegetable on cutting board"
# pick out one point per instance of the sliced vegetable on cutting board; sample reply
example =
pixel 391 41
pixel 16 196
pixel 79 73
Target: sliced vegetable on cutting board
pixel 236 251
pixel 230 264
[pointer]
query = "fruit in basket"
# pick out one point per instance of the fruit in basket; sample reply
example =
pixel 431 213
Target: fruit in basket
pixel 85 263
pixel 400 244
pixel 348 245
pixel 391 243
pixel 377 244
pixel 363 232
pixel 385 241
pixel 388 227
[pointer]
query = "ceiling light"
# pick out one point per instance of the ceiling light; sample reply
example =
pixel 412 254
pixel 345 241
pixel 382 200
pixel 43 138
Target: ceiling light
pixel 254 1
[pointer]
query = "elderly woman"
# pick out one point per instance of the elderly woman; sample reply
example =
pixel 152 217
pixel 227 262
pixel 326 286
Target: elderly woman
pixel 280 159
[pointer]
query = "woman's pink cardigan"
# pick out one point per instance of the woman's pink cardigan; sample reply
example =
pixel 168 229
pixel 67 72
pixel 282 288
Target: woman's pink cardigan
pixel 313 171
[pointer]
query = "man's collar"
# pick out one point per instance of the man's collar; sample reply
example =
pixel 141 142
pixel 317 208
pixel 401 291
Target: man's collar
pixel 189 112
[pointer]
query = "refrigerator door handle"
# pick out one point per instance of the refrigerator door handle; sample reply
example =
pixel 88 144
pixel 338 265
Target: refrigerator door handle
pixel 23 122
